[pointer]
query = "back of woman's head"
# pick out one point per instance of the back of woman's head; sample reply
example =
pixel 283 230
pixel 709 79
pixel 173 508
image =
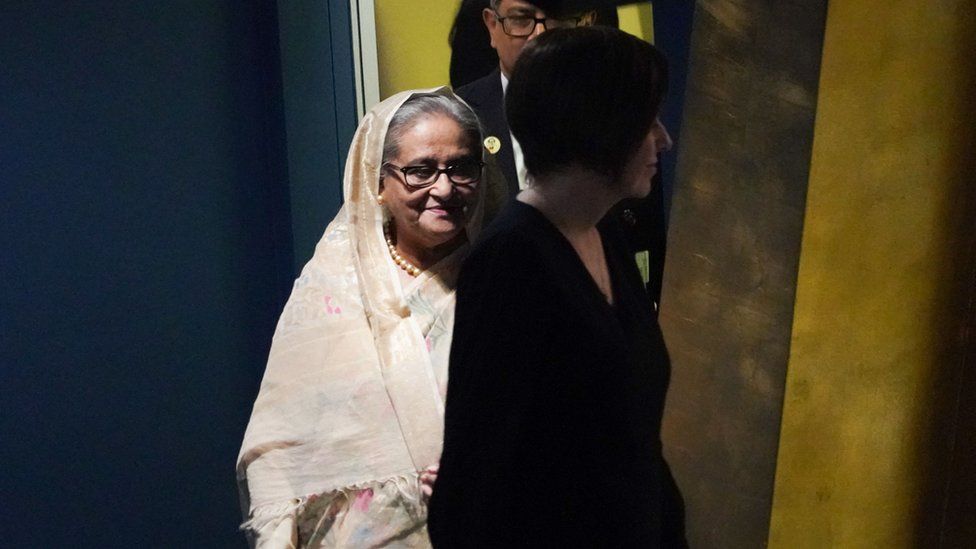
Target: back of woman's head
pixel 584 97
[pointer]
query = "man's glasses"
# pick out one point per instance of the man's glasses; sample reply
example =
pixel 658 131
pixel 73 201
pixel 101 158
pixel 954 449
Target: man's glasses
pixel 521 26
pixel 462 174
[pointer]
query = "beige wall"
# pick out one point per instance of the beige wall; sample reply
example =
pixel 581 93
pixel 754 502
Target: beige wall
pixel 884 280
pixel 411 40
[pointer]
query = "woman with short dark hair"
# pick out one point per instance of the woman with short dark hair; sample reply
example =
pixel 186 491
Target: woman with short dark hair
pixel 558 369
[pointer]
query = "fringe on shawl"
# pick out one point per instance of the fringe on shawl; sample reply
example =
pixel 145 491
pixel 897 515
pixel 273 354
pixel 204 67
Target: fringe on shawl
pixel 408 486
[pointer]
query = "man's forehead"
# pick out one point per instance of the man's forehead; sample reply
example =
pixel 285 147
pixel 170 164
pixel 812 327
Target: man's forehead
pixel 549 7
pixel 517 5
pixel 557 7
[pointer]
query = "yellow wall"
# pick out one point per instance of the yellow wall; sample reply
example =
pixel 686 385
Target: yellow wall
pixel 882 277
pixel 637 19
pixel 411 43
pixel 411 40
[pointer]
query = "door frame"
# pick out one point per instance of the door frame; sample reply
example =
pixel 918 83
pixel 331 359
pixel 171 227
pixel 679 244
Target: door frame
pixel 363 22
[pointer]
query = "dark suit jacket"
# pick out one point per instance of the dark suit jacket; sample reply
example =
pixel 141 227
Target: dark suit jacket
pixel 486 98
pixel 643 219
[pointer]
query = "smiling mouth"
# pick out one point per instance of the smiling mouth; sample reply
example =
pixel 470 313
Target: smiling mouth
pixel 444 209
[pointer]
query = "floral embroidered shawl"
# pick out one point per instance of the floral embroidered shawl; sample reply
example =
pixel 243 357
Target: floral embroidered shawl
pixel 354 388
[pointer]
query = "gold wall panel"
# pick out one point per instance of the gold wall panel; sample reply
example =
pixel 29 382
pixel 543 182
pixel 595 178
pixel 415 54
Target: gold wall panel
pixel 877 437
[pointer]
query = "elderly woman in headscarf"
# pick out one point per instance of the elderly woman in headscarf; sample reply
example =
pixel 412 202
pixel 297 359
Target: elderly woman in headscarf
pixel 343 441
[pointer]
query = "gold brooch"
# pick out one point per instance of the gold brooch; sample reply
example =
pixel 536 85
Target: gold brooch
pixel 493 144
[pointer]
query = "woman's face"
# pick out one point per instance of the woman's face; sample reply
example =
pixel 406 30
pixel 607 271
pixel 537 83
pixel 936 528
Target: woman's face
pixel 641 168
pixel 434 215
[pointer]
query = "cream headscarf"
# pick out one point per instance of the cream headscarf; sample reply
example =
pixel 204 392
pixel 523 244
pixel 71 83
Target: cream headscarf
pixel 351 395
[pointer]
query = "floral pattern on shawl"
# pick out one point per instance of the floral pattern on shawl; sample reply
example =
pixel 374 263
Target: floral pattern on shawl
pixel 351 405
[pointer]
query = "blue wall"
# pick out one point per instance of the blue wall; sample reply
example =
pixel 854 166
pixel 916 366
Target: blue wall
pixel 319 104
pixel 672 35
pixel 147 241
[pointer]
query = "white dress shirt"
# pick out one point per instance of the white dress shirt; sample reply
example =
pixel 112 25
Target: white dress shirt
pixel 520 170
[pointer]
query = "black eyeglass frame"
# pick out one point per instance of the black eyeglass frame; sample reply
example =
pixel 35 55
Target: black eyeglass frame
pixel 535 21
pixel 437 174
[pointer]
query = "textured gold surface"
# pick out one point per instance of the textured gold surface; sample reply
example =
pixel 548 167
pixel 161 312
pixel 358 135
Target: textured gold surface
pixel 733 251
pixel 871 442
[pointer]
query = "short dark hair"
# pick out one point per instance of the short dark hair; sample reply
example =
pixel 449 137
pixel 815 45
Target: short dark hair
pixel 586 97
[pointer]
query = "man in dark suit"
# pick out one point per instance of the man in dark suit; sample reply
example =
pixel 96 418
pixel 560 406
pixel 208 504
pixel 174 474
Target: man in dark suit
pixel 511 24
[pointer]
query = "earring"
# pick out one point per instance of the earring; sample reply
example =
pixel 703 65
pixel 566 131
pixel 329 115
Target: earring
pixel 379 199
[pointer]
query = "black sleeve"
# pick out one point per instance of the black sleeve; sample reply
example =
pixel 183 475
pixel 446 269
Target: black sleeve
pixel 672 512
pixel 497 360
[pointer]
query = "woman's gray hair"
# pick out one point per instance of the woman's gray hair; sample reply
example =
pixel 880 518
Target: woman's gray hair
pixel 426 104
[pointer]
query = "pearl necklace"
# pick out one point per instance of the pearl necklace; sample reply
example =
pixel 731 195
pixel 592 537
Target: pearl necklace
pixel 410 268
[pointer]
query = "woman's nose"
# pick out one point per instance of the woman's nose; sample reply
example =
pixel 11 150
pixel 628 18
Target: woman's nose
pixel 664 142
pixel 442 185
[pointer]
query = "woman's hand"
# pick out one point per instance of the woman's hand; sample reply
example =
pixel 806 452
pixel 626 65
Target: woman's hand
pixel 427 479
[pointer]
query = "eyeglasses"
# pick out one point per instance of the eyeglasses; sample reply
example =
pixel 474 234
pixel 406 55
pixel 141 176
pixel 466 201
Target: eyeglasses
pixel 521 26
pixel 462 174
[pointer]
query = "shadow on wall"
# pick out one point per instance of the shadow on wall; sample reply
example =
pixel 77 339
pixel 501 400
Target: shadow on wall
pixel 947 502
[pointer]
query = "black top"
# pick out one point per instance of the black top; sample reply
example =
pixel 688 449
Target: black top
pixel 552 430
